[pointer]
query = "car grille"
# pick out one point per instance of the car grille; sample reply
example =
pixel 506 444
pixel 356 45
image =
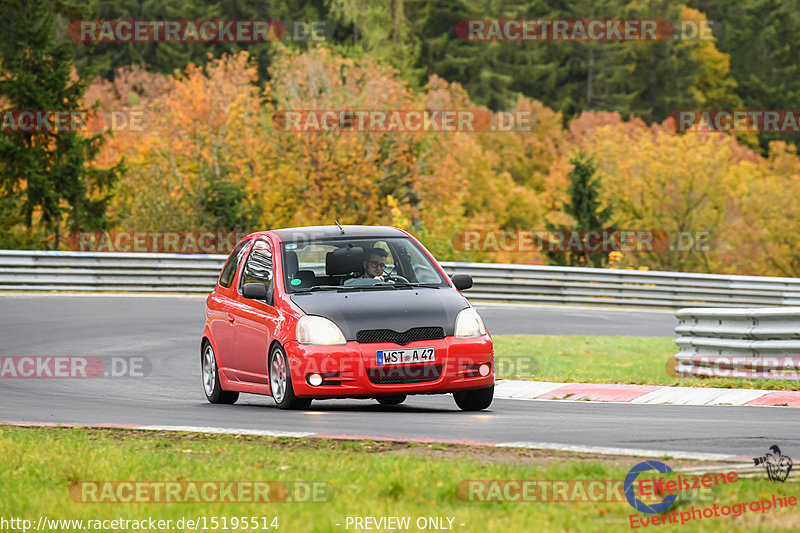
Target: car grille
pixel 388 335
pixel 397 375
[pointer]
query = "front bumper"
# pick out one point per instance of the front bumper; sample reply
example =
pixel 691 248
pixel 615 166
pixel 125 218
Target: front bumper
pixel 351 370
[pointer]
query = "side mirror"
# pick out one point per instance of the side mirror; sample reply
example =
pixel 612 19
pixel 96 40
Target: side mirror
pixel 462 281
pixel 255 291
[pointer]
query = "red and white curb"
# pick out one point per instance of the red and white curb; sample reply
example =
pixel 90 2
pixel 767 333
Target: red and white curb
pixel 550 446
pixel 649 394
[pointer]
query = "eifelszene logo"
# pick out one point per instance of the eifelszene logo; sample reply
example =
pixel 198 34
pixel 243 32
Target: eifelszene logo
pixel 777 466
pixel 630 481
pixel 651 489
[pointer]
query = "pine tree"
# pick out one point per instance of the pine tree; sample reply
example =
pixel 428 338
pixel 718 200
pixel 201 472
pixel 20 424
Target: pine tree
pixel 47 170
pixel 763 40
pixel 165 57
pixel 584 207
pixel 224 205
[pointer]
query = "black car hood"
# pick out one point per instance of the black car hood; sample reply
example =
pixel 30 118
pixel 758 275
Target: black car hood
pixel 395 309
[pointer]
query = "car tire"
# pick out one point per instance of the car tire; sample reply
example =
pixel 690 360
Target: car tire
pixel 397 399
pixel 280 382
pixel 211 384
pixel 475 399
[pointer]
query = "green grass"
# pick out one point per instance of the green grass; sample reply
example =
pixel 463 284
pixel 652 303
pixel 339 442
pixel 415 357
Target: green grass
pixel 584 358
pixel 368 479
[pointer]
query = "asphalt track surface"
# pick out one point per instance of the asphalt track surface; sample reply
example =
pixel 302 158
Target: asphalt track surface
pixel 165 331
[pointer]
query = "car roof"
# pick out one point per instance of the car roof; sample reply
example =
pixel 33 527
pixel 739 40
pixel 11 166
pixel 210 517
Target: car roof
pixel 327 232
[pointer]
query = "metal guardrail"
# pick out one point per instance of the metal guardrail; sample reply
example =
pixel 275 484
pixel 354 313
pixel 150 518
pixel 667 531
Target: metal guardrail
pixel 601 286
pixel 747 343
pixel 150 272
pixel 113 272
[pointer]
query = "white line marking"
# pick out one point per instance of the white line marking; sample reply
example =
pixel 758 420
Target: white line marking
pixel 604 450
pixel 601 450
pixel 228 431
pixel 622 309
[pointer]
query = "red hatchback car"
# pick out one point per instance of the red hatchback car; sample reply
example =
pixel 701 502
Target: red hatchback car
pixel 342 312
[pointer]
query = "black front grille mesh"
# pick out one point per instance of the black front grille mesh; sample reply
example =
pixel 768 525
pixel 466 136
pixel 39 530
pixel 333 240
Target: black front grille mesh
pixel 396 375
pixel 388 335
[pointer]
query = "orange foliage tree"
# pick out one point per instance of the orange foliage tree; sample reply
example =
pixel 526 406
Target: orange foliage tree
pixel 218 123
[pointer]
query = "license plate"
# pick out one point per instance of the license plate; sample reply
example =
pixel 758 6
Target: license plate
pixel 408 355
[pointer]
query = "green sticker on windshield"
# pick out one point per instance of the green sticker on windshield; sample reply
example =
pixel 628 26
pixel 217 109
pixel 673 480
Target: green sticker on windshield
pixel 296 282
pixel 291 246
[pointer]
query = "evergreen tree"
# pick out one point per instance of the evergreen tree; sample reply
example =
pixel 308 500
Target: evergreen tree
pixel 382 30
pixel 646 79
pixel 584 207
pixel 47 170
pixel 166 57
pixel 763 40
pixel 225 207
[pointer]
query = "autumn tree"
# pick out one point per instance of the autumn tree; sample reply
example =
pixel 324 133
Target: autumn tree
pixel 667 182
pixel 205 128
pixel 215 154
pixel 765 236
pixel 344 175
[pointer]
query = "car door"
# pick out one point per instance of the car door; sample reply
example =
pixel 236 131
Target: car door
pixel 255 319
pixel 219 309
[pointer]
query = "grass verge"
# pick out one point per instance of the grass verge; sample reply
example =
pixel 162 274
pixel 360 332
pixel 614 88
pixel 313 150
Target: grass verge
pixel 590 359
pixel 367 479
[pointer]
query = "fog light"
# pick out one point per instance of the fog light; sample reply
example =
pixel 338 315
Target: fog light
pixel 484 370
pixel 315 380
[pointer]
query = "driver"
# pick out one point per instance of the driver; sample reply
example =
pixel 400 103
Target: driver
pixel 374 265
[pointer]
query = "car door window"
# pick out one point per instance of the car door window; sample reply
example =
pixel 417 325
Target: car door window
pixel 232 264
pixel 258 268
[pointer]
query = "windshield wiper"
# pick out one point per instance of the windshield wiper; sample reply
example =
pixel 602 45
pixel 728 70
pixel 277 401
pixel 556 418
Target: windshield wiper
pixel 381 285
pixel 400 285
pixel 323 288
pixel 429 285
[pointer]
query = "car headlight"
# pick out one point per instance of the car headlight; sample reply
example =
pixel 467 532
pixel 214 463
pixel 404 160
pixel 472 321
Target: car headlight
pixel 318 330
pixel 469 324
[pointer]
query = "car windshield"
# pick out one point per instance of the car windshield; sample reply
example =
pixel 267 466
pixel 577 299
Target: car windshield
pixel 357 264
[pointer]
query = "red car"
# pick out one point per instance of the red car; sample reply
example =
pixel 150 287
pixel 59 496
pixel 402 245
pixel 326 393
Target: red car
pixel 342 312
